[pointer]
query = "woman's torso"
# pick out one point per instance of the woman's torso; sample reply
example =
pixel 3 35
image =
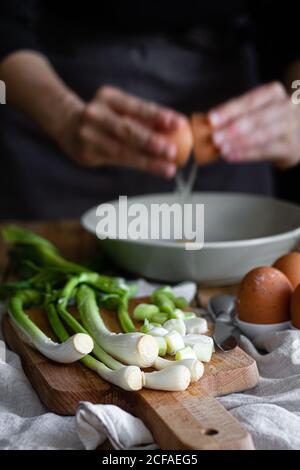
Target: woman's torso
pixel 189 71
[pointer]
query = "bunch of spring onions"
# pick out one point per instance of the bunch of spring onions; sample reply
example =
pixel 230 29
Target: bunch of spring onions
pixel 177 332
pixel 53 283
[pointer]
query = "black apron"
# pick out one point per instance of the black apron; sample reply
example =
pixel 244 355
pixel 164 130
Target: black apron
pixel 189 73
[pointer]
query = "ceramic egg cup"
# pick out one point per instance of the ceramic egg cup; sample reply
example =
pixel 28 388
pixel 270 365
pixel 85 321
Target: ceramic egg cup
pixel 251 330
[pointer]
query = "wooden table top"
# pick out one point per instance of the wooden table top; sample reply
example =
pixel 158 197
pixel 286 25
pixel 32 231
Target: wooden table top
pixel 70 238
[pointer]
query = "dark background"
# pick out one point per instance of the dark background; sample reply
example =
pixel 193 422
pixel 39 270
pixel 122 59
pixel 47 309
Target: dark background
pixel 273 26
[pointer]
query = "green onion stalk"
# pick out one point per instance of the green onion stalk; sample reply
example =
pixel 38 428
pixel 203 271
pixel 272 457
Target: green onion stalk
pixel 127 377
pixel 70 351
pixel 29 246
pixel 160 296
pixel 132 348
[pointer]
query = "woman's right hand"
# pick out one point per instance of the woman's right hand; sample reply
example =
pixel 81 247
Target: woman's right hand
pixel 116 128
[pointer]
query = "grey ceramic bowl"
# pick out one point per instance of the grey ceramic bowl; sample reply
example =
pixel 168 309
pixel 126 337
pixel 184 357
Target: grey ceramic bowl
pixel 241 232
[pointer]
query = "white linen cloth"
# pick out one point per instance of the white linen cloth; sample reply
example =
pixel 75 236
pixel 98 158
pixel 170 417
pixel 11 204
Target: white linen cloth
pixel 96 423
pixel 270 411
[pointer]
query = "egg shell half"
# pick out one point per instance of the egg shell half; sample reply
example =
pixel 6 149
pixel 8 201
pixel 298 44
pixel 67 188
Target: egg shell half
pixel 182 138
pixel 205 151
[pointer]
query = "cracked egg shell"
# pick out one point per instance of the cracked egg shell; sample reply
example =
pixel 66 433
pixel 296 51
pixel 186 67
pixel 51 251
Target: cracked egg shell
pixel 183 140
pixel 205 151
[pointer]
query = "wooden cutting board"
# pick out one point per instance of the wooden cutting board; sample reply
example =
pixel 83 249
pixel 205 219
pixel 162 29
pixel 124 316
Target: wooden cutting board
pixel 192 419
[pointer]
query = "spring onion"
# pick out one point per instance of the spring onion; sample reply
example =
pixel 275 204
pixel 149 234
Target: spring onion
pixel 185 353
pixel 188 315
pixel 123 315
pixel 109 301
pixel 119 304
pixel 162 345
pixel 191 339
pixel 119 294
pixel 142 346
pixel 144 311
pixel 156 320
pixel 161 298
pixel 166 290
pixel 180 302
pixel 127 377
pixel 75 326
pixel 164 303
pixel 117 376
pixel 35 248
pixel 158 331
pixel 71 350
pixel 175 378
pixel 153 329
pixel 174 342
pixel 195 367
pixel 146 327
pixel 175 325
pixel 204 349
pixel 132 348
pixel 45 271
pixel 160 317
pixel 196 325
pixel 177 314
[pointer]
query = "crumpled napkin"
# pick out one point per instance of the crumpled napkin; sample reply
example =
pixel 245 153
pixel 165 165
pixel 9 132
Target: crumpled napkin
pixel 271 410
pixel 96 423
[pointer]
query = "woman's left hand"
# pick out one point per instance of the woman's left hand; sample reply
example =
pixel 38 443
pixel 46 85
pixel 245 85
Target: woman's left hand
pixel 263 124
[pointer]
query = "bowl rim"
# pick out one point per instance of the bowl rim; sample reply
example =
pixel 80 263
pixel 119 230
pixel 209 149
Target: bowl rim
pixel 280 237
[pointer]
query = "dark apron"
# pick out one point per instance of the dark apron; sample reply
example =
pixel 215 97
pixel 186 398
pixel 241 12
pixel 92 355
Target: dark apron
pixel 190 73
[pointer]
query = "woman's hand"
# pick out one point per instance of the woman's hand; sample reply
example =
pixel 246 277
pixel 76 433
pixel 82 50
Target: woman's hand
pixel 263 124
pixel 116 128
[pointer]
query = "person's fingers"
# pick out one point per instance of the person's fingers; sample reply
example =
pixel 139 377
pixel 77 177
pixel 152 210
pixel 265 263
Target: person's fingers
pixel 284 149
pixel 129 131
pixel 257 98
pixel 153 114
pixel 251 127
pixel 272 151
pixel 104 149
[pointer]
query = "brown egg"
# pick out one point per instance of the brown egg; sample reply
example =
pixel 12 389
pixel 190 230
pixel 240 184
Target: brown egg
pixel 295 307
pixel 290 266
pixel 183 139
pixel 205 151
pixel 264 296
